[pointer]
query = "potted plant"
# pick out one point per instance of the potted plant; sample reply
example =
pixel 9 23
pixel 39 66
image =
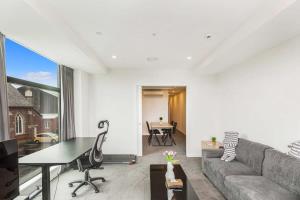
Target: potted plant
pixel 169 157
pixel 160 120
pixel 214 140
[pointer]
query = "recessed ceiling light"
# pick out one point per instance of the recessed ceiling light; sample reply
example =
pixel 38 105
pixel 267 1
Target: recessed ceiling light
pixel 189 57
pixel 98 33
pixel 152 59
pixel 208 36
pixel 114 57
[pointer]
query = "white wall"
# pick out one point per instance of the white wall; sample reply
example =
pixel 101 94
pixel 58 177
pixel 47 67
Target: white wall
pixel 177 106
pixel 154 107
pixel 114 96
pixel 261 97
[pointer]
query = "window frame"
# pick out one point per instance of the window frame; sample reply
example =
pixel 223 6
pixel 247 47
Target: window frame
pixel 18 81
pixel 13 80
pixel 46 124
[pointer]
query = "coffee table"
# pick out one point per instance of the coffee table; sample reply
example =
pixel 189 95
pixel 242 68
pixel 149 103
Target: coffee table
pixel 158 185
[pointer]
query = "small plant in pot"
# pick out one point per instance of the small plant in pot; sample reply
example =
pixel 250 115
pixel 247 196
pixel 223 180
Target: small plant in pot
pixel 160 119
pixel 169 157
pixel 214 140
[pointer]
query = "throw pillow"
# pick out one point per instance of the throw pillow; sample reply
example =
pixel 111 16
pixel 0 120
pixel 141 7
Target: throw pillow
pixel 295 149
pixel 230 142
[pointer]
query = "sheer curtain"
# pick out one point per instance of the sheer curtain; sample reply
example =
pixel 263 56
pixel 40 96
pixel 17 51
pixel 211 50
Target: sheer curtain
pixel 67 125
pixel 4 130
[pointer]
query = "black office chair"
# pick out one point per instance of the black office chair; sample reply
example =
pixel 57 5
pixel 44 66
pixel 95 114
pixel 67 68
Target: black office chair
pixel 152 132
pixel 94 161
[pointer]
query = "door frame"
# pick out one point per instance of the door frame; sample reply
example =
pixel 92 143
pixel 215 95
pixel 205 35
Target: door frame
pixel 139 121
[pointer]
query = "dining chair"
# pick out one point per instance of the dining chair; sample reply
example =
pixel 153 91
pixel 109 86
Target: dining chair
pixel 174 131
pixel 168 133
pixel 165 131
pixel 152 132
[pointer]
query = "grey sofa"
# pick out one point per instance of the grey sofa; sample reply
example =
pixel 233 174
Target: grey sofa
pixel 258 173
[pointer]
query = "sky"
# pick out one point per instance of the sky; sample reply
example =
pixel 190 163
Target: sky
pixel 25 64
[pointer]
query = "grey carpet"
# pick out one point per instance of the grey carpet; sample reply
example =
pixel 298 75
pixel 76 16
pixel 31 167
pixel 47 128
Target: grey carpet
pixel 132 182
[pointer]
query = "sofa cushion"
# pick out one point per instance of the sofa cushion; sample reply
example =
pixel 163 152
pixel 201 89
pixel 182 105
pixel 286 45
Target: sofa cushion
pixel 256 188
pixel 251 154
pixel 282 169
pixel 222 169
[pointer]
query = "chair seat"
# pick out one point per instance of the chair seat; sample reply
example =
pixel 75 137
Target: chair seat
pixel 87 165
pixel 256 188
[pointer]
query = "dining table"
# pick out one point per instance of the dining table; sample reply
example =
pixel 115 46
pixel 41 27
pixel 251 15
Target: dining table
pixel 161 126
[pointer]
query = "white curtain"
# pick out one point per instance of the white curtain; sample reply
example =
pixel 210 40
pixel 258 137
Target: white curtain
pixel 67 125
pixel 4 118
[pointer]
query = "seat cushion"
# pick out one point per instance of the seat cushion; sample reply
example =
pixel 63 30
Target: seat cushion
pixel 256 188
pixel 282 169
pixel 251 154
pixel 223 169
pixel 216 170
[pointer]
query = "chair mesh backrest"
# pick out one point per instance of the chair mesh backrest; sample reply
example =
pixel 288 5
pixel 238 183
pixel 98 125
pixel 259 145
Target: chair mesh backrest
pixel 96 155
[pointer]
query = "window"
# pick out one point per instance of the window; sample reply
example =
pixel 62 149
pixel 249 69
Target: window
pixel 33 98
pixel 47 124
pixel 19 124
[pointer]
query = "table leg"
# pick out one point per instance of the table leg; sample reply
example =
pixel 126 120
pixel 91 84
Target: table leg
pixel 46 182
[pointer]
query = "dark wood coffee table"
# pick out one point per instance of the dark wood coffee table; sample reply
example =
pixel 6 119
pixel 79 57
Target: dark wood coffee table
pixel 158 185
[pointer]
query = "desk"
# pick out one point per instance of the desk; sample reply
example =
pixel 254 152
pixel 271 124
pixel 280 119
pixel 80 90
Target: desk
pixel 58 154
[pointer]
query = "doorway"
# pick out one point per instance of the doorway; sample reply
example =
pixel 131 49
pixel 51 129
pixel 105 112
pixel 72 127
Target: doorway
pixel 164 108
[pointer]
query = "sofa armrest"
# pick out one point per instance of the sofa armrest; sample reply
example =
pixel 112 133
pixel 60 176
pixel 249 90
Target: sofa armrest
pixel 212 153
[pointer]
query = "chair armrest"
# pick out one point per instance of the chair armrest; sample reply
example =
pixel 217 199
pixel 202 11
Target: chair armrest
pixel 212 153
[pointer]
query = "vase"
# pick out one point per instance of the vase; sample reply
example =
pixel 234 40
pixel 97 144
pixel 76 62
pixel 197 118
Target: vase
pixel 170 194
pixel 170 176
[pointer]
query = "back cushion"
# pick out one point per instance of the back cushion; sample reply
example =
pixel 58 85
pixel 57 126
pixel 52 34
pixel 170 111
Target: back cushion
pixel 282 169
pixel 251 154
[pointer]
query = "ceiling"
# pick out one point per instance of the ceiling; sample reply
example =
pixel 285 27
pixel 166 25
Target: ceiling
pixel 149 34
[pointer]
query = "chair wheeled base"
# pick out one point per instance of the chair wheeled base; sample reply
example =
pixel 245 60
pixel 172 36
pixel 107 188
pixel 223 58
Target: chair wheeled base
pixel 88 180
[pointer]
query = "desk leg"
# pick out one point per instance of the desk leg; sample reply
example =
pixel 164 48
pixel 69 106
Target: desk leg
pixel 46 182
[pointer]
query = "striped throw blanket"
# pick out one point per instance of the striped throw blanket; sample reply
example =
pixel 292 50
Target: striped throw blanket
pixel 295 149
pixel 230 142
